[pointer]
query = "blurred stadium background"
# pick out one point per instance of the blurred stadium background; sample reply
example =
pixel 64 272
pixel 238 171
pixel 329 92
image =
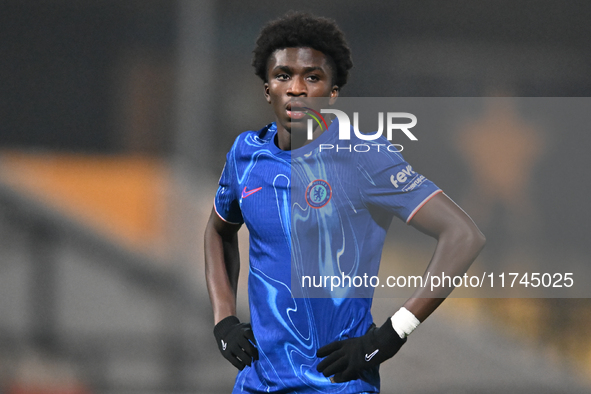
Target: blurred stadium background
pixel 115 117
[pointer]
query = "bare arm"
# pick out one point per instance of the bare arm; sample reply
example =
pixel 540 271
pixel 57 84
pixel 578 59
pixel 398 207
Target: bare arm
pixel 222 265
pixel 459 241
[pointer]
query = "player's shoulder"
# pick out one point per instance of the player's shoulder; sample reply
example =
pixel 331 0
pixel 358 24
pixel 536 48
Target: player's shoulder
pixel 377 151
pixel 253 140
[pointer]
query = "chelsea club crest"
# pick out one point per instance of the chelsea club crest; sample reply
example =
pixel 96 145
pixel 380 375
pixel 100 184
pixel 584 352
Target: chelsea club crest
pixel 318 193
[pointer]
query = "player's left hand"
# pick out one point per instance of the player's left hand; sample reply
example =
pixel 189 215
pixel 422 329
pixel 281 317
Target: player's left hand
pixel 346 359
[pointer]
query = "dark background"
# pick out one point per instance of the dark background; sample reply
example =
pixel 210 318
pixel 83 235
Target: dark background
pixel 172 81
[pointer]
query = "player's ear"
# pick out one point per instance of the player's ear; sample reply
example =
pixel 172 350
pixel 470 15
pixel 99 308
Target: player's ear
pixel 334 93
pixel 267 95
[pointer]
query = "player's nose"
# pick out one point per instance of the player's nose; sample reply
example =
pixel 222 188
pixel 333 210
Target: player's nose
pixel 297 87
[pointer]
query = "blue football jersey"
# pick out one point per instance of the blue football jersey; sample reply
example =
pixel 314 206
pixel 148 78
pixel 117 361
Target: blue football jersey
pixel 312 211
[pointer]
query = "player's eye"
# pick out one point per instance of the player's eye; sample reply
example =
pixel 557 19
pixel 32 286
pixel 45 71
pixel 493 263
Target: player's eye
pixel 282 77
pixel 313 78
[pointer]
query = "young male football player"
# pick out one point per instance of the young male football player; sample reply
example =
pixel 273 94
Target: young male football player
pixel 310 345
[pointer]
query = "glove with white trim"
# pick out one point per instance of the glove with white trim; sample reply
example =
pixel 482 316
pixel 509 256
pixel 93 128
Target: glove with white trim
pixel 236 342
pixel 348 358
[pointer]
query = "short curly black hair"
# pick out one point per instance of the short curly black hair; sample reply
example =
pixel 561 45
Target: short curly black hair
pixel 299 29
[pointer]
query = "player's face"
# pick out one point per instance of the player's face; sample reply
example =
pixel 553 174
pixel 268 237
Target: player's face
pixel 296 73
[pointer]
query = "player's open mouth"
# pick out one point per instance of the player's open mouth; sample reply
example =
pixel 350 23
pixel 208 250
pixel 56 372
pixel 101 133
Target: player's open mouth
pixel 297 112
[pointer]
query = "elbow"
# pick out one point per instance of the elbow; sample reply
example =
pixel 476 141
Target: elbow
pixel 469 242
pixel 474 240
pixel 482 240
pixel 468 238
pixel 479 244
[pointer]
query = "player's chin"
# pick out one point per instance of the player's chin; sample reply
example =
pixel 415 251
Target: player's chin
pixel 296 125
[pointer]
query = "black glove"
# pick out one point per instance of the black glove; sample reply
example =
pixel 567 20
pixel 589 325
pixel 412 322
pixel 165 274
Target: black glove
pixel 346 359
pixel 236 342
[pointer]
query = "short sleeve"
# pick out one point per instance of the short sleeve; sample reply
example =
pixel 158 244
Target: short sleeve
pixel 226 198
pixel 390 183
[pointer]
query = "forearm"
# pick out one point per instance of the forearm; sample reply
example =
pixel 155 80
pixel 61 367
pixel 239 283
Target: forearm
pixel 452 256
pixel 459 241
pixel 222 266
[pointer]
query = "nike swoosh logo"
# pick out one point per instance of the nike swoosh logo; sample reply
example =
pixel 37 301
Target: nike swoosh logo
pixel 370 356
pixel 224 344
pixel 250 192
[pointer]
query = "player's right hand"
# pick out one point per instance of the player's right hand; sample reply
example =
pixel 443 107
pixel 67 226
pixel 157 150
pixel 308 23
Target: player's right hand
pixel 236 342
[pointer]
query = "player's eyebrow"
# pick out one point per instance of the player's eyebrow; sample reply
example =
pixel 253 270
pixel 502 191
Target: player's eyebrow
pixel 279 67
pixel 289 69
pixel 313 68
